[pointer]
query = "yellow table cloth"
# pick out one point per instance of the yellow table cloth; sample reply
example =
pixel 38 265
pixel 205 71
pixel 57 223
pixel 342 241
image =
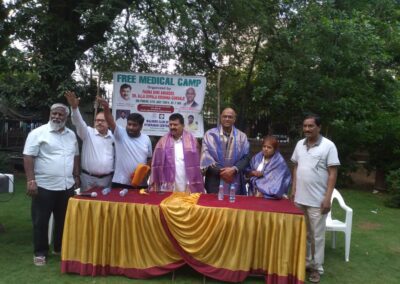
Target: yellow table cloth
pixel 121 237
pixel 255 236
pixel 145 236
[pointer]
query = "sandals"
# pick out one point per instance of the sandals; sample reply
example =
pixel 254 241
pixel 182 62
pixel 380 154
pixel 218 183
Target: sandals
pixel 314 277
pixel 39 260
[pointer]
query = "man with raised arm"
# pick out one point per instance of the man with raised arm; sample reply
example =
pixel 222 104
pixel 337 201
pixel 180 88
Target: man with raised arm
pixel 131 146
pixel 97 166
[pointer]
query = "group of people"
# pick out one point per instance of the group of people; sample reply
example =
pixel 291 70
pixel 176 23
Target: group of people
pixel 111 153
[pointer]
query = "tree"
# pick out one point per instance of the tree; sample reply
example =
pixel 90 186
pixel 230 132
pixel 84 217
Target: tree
pixel 5 27
pixel 340 61
pixel 199 36
pixel 277 59
pixel 55 34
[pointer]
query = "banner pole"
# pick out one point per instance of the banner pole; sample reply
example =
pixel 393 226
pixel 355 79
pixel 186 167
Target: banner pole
pixel 218 95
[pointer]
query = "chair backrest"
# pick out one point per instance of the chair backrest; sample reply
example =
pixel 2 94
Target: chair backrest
pixel 335 194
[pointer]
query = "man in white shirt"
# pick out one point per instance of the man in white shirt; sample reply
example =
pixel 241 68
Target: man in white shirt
pixel 97 166
pixel 51 162
pixel 314 178
pixel 131 146
pixel 176 161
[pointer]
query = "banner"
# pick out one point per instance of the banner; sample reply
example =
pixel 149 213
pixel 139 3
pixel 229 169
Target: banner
pixel 156 97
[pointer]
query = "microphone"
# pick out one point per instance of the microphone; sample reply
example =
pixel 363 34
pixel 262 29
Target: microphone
pixel 88 194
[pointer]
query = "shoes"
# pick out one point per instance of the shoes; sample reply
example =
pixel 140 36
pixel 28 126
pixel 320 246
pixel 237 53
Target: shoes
pixel 310 268
pixel 39 260
pixel 314 276
pixel 56 252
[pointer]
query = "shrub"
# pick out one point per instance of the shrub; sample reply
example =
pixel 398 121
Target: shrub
pixel 393 182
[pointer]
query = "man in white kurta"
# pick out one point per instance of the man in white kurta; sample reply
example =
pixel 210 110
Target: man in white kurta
pixel 176 160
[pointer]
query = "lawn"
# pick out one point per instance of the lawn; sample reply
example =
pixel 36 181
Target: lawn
pixel 374 255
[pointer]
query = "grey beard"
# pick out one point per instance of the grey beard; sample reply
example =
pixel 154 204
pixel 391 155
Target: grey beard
pixel 56 126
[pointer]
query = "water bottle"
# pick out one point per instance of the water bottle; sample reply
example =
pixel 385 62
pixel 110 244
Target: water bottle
pixel 221 190
pixel 232 192
pixel 123 192
pixel 187 189
pixel 106 191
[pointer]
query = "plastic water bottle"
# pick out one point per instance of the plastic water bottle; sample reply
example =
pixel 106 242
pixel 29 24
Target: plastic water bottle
pixel 187 188
pixel 232 192
pixel 221 190
pixel 106 191
pixel 123 192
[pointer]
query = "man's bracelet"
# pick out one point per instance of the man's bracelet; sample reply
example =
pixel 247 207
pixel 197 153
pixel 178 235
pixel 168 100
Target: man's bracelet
pixel 31 181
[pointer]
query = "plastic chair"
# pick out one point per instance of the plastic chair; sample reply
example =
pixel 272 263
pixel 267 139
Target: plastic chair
pixel 334 226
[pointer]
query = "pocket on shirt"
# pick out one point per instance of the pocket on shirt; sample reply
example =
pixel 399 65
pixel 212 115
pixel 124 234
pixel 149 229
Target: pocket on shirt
pixel 315 161
pixel 70 149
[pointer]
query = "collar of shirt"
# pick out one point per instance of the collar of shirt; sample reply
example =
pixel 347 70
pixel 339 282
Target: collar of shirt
pixel 224 136
pixel 96 132
pixel 179 140
pixel 65 130
pixel 221 132
pixel 315 144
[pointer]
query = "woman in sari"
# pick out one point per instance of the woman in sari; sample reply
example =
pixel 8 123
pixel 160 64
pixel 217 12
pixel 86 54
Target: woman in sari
pixel 268 172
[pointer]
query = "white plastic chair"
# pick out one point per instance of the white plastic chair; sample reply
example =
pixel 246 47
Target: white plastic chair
pixel 333 225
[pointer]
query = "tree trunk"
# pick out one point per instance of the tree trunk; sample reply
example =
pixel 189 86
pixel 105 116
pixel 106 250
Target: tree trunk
pixel 245 94
pixel 380 183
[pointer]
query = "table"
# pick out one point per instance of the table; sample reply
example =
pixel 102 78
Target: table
pixel 143 236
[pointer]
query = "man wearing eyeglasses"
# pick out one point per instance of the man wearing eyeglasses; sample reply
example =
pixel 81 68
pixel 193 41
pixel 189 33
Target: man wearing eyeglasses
pixel 97 166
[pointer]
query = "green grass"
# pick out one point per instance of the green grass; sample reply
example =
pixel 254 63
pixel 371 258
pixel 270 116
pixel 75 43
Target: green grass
pixel 374 255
